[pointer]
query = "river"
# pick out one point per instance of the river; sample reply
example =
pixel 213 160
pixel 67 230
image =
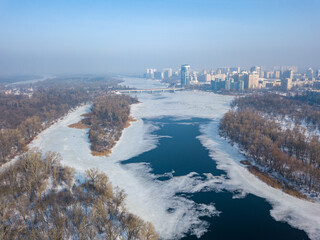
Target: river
pixel 181 176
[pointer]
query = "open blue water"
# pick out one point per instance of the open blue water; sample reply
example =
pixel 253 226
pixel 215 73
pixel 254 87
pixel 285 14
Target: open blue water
pixel 181 153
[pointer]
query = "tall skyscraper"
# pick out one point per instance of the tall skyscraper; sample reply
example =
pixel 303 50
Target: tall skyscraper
pixel 185 75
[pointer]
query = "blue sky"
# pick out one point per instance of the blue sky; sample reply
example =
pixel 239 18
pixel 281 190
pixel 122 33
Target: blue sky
pixel 96 36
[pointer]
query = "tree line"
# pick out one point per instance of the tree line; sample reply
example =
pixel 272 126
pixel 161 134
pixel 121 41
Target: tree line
pixel 109 115
pixel 292 154
pixel 40 199
pixel 23 117
pixel 297 108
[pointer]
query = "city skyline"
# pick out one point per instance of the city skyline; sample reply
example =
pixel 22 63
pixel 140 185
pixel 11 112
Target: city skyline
pixel 236 79
pixel 126 37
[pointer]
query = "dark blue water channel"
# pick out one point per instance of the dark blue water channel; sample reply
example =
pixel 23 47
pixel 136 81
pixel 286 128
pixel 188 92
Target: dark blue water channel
pixel 246 218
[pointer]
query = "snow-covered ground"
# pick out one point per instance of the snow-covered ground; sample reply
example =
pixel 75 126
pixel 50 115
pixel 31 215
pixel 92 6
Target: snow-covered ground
pixel 149 198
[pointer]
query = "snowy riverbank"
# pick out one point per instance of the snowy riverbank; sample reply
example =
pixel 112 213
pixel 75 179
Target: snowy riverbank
pixel 145 192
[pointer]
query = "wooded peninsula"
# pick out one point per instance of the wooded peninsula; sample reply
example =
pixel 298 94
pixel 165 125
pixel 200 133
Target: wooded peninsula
pixel 279 135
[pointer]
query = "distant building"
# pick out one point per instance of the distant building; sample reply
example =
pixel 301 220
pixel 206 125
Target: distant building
pixel 235 69
pixel 220 75
pixel 255 69
pixel 318 74
pixel 167 73
pixel 150 73
pixel 292 68
pixel 277 74
pixel 194 77
pixel 228 84
pixel 205 78
pixel 269 85
pixel 286 84
pixel 223 70
pixel 268 75
pixel 251 81
pixel 240 76
pixel 239 85
pixel 158 75
pixel 310 73
pixel 218 84
pixel 185 75
pixel 287 74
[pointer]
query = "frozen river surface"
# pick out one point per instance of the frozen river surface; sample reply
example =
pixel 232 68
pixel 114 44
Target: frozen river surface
pixel 185 124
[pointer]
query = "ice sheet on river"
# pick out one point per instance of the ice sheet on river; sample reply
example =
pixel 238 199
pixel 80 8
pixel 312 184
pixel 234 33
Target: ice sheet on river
pixel 151 199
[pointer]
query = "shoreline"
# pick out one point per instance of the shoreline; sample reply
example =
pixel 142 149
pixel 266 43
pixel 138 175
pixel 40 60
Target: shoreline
pixel 81 125
pixel 16 156
pixel 273 182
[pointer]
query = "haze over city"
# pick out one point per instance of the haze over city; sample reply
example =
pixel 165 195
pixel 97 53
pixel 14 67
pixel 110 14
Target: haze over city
pixel 67 37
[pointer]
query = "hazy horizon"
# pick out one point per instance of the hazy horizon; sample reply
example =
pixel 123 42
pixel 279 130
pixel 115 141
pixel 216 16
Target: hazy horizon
pixel 74 37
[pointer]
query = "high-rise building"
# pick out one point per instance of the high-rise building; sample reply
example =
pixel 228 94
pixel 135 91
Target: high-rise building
pixel 310 73
pixel 286 84
pixel 227 84
pixel 194 77
pixel 255 69
pixel 150 73
pixel 235 69
pixel 158 75
pixel 218 84
pixel 268 74
pixel 293 68
pixel 251 81
pixel 287 74
pixel 258 70
pixel 277 74
pixel 318 74
pixel 185 75
pixel 205 78
pixel 237 85
pixel 167 73
pixel 223 70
